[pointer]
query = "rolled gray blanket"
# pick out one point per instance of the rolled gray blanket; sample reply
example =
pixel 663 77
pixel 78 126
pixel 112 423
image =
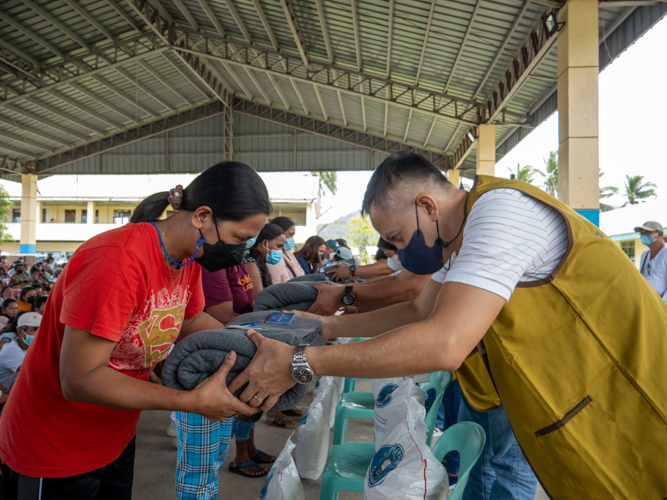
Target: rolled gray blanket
pixel 198 356
pixel 309 278
pixel 286 296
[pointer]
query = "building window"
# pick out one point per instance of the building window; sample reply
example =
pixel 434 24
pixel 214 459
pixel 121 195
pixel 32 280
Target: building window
pixel 16 215
pixel 97 216
pixel 43 214
pixel 84 216
pixel 628 248
pixel 121 216
pixel 70 215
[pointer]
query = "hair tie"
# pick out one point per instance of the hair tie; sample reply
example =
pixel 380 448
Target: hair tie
pixel 175 197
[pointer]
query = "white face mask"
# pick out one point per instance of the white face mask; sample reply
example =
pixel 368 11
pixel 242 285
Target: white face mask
pixel 331 255
pixel 394 263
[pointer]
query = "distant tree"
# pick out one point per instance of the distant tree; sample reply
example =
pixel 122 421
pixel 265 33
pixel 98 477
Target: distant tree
pixel 551 180
pixel 606 192
pixel 637 191
pixel 5 206
pixel 328 180
pixel 362 234
pixel 526 173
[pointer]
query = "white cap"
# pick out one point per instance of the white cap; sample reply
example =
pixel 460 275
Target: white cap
pixel 29 319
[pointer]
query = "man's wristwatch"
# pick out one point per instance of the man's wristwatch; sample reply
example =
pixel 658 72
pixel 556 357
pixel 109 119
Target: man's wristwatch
pixel 353 269
pixel 301 370
pixel 348 298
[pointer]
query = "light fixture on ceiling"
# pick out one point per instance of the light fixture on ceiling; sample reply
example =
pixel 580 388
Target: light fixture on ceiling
pixel 471 136
pixel 552 23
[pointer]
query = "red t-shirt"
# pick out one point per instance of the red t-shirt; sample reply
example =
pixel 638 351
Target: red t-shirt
pixel 116 286
pixel 229 285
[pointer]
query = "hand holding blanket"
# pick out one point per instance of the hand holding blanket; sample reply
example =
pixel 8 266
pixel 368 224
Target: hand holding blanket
pixel 199 355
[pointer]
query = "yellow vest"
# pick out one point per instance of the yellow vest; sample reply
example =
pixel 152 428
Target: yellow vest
pixel 580 363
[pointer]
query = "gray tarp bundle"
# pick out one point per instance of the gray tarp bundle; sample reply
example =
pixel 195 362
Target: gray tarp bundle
pixel 198 356
pixel 286 296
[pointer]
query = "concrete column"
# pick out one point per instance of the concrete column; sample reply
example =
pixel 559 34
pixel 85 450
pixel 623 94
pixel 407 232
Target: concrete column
pixel 453 177
pixel 486 149
pixel 28 214
pixel 578 70
pixel 90 211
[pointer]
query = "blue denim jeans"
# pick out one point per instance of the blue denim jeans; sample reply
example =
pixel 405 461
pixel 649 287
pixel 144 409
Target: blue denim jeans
pixel 502 472
pixel 448 415
pixel 241 430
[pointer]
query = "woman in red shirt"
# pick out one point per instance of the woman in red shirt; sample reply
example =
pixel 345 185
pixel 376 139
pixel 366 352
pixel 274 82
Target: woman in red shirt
pixel 114 313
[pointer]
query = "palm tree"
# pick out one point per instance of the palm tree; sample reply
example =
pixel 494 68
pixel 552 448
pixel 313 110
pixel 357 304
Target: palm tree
pixel 525 173
pixel 328 180
pixel 606 192
pixel 551 181
pixel 636 191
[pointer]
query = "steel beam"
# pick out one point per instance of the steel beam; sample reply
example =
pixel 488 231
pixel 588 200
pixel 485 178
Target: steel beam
pixel 114 109
pixel 325 30
pixel 29 33
pixel 357 34
pixel 338 132
pixel 38 133
pixel 15 166
pixel 266 24
pixel 228 131
pixel 345 80
pixel 237 20
pixel 165 83
pixel 91 19
pixel 130 135
pixel 296 32
pixel 61 114
pixel 22 140
pixel 48 123
pixel 76 105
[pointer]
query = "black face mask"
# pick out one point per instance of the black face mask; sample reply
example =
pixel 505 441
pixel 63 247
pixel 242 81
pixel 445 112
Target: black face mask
pixel 221 255
pixel 30 300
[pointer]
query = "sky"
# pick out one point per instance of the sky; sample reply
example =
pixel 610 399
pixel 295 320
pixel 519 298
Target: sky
pixel 633 128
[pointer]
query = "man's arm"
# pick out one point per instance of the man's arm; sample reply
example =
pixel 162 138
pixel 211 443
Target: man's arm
pixel 370 271
pixel 372 323
pixel 203 321
pixel 369 296
pixel 461 317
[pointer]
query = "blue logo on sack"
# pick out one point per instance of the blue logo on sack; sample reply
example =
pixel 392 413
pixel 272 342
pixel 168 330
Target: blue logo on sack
pixel 384 397
pixel 265 488
pixel 303 420
pixel 385 460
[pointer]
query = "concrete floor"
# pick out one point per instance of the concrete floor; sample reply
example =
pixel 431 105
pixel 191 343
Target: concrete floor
pixel 155 460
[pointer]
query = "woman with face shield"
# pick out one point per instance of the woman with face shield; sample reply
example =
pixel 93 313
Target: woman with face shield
pixel 119 305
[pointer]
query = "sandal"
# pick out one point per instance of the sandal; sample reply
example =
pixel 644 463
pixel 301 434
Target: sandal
pixel 282 421
pixel 263 458
pixel 238 469
pixel 293 412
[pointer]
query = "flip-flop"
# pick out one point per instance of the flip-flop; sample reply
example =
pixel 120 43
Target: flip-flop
pixel 282 421
pixel 237 469
pixel 261 455
pixel 292 412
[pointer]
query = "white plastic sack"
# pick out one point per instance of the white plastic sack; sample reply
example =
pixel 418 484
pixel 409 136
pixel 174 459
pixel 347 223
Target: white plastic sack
pixel 392 398
pixel 405 467
pixel 312 444
pixel 283 481
pixel 330 401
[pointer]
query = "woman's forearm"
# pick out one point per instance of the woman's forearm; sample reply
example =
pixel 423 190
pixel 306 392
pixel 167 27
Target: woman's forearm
pixel 107 387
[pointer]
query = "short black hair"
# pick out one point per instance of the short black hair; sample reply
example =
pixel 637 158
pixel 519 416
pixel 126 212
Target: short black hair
pixel 285 223
pixel 341 242
pixel 397 167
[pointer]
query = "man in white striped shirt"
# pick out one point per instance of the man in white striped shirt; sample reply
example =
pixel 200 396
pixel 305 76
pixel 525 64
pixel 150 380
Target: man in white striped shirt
pixel 509 238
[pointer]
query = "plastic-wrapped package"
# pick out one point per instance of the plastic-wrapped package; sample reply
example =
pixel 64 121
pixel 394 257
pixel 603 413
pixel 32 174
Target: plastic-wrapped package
pixel 283 482
pixel 330 400
pixel 404 467
pixel 392 398
pixel 312 444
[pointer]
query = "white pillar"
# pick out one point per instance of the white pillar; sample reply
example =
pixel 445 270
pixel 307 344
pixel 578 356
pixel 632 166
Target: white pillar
pixel 578 131
pixel 28 214
pixel 90 213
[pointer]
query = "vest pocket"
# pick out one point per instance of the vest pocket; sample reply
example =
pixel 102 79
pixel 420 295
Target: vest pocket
pixel 592 453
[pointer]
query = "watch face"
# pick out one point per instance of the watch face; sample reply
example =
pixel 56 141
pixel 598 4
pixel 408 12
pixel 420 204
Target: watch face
pixel 348 300
pixel 302 374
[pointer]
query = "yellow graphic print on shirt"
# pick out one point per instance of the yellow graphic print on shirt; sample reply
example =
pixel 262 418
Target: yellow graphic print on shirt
pixel 159 332
pixel 246 283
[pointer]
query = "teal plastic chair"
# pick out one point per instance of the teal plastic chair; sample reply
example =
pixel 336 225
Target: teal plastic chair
pixel 468 438
pixel 348 462
pixel 362 405
pixel 350 384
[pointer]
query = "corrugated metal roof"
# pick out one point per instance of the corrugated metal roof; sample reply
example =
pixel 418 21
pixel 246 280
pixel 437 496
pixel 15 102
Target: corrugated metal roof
pixel 462 48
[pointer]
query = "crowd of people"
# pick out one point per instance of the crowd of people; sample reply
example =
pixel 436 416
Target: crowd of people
pixel 462 282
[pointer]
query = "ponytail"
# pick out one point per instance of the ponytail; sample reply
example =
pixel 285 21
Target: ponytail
pixel 151 208
pixel 232 190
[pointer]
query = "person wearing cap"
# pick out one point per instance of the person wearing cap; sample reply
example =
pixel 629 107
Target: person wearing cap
pixel 330 252
pixel 11 355
pixel 653 262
